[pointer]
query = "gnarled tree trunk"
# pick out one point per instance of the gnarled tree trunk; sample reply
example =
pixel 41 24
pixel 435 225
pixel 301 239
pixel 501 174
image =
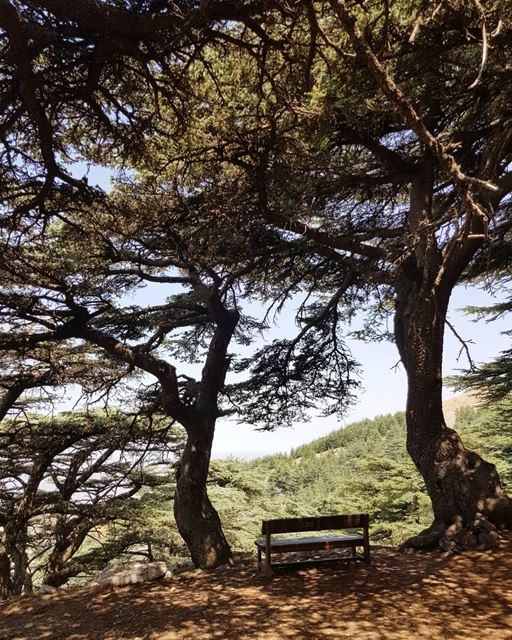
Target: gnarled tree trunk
pixel 5 571
pixel 69 536
pixel 15 535
pixel 467 498
pixel 197 520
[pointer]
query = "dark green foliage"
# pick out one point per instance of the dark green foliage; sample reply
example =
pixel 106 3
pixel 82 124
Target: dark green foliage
pixel 81 489
pixel 288 378
pixel 492 379
pixel 241 498
pixel 146 531
pixel 490 429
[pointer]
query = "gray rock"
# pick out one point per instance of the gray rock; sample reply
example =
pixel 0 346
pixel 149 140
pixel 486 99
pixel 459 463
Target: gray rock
pixel 46 588
pixel 131 573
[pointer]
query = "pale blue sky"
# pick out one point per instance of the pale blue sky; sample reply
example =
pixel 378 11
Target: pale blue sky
pixel 383 384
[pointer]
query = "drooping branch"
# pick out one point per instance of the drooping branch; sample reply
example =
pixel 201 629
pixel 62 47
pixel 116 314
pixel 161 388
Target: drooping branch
pixel 97 17
pixel 21 384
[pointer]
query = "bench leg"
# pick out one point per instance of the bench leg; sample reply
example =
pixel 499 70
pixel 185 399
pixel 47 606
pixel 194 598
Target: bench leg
pixel 268 567
pixel 366 547
pixel 259 559
pixel 268 556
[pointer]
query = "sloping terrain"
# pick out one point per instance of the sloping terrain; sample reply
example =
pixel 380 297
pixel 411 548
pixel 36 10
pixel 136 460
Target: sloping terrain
pixel 418 596
pixel 453 404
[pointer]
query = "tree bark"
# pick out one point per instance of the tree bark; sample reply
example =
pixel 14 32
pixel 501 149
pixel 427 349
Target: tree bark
pixel 5 571
pixel 15 536
pixel 197 520
pixel 69 536
pixel 467 498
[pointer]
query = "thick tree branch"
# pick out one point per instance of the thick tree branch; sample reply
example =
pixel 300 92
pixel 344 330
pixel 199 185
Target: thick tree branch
pixel 410 115
pixel 320 237
pixel 22 384
pixel 401 168
pixel 94 16
pixel 160 369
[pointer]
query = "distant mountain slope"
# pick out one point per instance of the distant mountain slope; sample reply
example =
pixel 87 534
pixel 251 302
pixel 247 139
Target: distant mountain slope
pixel 361 468
pixel 452 405
pixel 335 441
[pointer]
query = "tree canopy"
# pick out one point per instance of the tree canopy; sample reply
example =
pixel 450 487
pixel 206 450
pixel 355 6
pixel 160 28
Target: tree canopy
pixel 342 155
pixel 62 478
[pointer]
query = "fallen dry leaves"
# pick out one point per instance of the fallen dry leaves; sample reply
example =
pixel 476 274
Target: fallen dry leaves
pixel 417 596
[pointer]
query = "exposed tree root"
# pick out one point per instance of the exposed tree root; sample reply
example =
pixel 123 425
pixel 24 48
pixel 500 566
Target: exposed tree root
pixel 427 539
pixel 478 534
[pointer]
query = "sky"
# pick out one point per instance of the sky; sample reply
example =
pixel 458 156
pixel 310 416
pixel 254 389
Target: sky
pixel 383 380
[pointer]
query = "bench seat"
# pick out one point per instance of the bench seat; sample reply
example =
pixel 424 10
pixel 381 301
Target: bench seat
pixel 271 545
pixel 282 545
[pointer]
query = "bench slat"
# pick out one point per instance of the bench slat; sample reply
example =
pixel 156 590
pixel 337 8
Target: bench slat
pixel 319 523
pixel 281 545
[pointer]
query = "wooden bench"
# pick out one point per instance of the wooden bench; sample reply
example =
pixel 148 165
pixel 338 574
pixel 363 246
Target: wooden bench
pixel 270 546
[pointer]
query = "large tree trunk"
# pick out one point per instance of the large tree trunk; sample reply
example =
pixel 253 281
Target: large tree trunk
pixel 5 571
pixel 16 548
pixel 69 536
pixel 197 520
pixel 467 498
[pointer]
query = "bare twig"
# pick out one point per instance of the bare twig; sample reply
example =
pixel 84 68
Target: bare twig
pixel 464 348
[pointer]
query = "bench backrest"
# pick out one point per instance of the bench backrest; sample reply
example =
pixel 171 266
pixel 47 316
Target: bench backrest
pixel 315 523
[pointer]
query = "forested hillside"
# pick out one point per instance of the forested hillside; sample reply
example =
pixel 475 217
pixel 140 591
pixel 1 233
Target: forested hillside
pixel 362 467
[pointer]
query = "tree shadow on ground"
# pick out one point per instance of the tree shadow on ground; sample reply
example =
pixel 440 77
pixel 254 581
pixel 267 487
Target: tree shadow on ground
pixel 422 595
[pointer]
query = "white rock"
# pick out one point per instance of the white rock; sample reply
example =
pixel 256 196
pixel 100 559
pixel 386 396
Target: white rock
pixel 131 573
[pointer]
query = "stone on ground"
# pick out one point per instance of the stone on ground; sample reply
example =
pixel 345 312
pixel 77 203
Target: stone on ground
pixel 47 588
pixel 131 573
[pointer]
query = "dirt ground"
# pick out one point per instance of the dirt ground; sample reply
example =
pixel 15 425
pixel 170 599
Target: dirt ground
pixel 416 596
